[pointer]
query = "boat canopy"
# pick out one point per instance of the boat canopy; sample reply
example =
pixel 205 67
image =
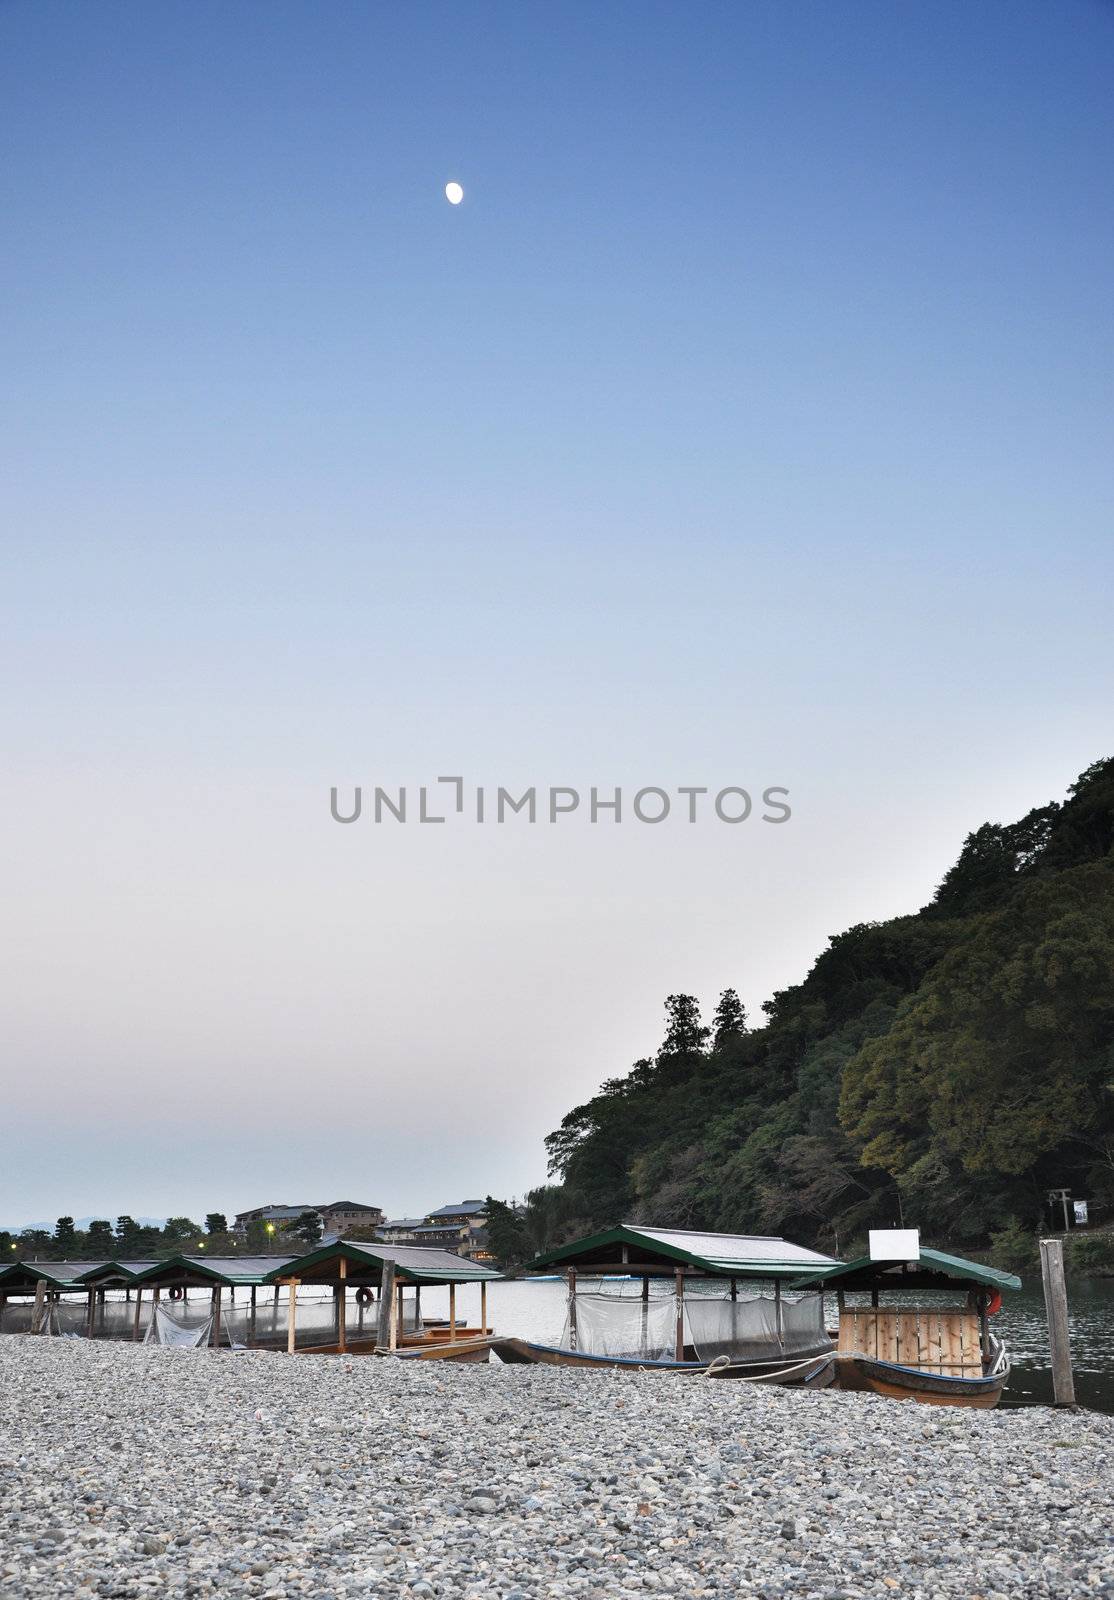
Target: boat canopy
pixel 929 1269
pixel 641 1251
pixel 363 1262
pixel 189 1272
pixel 21 1277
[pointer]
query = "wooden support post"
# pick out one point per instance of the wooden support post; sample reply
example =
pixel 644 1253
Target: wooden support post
pixel 734 1288
pixel 679 1341
pixel 89 1314
pixel 400 1323
pixel 483 1307
pixel 1056 1308
pixel 214 1301
pixel 452 1312
pixel 292 1316
pixel 100 1308
pixel 39 1308
pixel 385 1334
pixel 572 1308
pixel 778 1316
pixel 251 1318
pixel 645 1315
pixel 342 1308
pixel 417 1308
pixel 138 1310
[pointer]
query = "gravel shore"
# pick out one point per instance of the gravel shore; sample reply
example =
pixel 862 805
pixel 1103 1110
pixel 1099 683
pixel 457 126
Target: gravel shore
pixel 127 1470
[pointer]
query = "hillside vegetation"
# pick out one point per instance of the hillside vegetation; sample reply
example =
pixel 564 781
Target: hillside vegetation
pixel 943 1069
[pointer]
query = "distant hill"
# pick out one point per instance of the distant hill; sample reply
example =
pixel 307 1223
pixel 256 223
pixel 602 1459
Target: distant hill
pixel 945 1069
pixel 80 1223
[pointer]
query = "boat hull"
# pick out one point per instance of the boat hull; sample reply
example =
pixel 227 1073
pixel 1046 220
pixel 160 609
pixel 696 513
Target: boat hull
pixel 896 1382
pixel 813 1371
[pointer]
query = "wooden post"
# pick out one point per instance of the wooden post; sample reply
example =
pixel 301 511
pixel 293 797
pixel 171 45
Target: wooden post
pixel 734 1288
pixel 417 1307
pixel 483 1307
pixel 1056 1308
pixel 251 1318
pixel 89 1315
pixel 291 1316
pixel 214 1301
pixel 572 1308
pixel 386 1306
pixel 39 1307
pixel 645 1315
pixel 342 1307
pixel 777 1315
pixel 138 1309
pixel 100 1308
pixel 679 1342
pixel 452 1312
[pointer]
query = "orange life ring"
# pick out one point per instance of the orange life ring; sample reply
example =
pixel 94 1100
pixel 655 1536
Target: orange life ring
pixel 175 1293
pixel 994 1304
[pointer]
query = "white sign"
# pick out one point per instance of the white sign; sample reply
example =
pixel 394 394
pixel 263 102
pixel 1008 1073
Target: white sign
pixel 1080 1213
pixel 895 1244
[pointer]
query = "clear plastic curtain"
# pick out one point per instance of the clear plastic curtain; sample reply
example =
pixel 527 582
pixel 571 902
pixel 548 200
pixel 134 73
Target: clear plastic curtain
pixel 751 1329
pixel 621 1326
pixel 67 1319
pixel 181 1333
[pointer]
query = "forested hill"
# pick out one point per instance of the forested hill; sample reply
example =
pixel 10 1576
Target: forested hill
pixel 944 1069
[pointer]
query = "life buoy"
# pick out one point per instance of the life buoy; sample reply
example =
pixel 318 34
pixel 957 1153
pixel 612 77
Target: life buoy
pixel 175 1293
pixel 364 1296
pixel 994 1304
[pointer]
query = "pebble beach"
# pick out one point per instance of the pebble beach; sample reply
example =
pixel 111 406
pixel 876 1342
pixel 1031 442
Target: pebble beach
pixel 132 1470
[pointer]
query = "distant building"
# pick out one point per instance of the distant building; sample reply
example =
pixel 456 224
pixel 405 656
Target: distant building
pixel 466 1223
pixel 277 1216
pixel 336 1217
pixel 401 1230
pixel 342 1215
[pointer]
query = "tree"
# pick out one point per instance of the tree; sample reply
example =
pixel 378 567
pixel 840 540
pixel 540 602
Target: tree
pixel 99 1237
pixel 306 1228
pixel 506 1232
pixel 729 1022
pixel 179 1229
pixel 127 1235
pixel 65 1236
pixel 216 1222
pixel 35 1243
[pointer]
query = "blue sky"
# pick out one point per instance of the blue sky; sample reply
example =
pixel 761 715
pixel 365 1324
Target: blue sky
pixel 748 423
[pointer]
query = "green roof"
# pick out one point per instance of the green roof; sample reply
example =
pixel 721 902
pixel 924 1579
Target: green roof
pixel 230 1271
pixel 58 1274
pixel 889 1274
pixel 716 1255
pixel 412 1263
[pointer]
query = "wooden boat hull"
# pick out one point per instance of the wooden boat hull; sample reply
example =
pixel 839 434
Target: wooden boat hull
pixel 916 1383
pixel 813 1371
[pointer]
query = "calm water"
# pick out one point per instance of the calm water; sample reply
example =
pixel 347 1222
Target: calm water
pixel 536 1310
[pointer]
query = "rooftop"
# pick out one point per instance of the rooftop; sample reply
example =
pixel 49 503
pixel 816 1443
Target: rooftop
pixel 662 1249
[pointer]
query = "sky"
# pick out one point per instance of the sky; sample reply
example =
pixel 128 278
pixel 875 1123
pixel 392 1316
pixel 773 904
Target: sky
pixel 747 425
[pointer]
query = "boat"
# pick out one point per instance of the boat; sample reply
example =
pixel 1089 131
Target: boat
pixel 943 1355
pixel 815 1371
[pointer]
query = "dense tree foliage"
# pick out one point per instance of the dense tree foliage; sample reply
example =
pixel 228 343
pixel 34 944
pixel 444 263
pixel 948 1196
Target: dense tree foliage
pixel 942 1069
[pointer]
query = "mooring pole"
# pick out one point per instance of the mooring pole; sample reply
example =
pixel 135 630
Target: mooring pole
pixel 1056 1308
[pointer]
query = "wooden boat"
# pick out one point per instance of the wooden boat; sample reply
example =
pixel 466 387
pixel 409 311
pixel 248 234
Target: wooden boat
pixel 933 1355
pixel 814 1371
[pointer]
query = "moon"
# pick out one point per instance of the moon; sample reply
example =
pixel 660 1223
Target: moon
pixel 454 194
